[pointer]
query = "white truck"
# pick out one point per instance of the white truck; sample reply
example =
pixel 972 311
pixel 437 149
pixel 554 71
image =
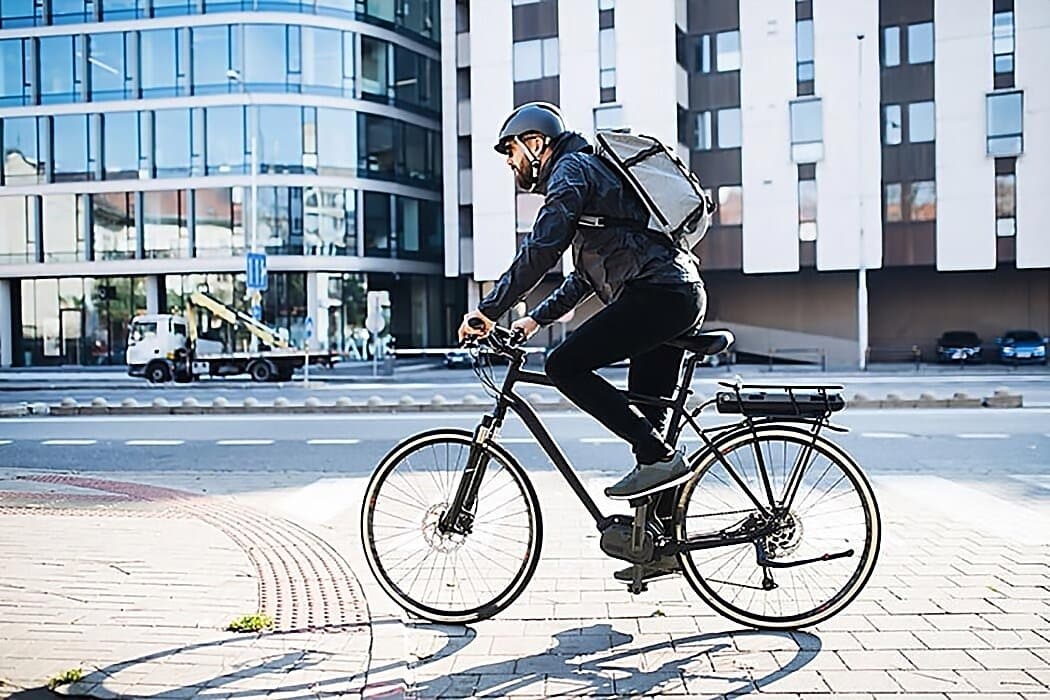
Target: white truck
pixel 165 347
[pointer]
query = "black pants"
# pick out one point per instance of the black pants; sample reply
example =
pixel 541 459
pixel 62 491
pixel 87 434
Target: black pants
pixel 635 326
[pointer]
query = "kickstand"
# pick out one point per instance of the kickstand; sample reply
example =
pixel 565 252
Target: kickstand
pixel 637 585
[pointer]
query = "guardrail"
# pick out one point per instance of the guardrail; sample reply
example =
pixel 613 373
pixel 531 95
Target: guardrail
pixel 818 353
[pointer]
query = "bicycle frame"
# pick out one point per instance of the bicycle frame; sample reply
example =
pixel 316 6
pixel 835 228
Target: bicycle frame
pixel 459 516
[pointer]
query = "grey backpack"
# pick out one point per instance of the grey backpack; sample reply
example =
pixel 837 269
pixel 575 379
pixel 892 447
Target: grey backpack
pixel 678 206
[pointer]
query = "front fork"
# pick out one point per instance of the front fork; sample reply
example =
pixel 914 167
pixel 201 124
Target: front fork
pixel 459 518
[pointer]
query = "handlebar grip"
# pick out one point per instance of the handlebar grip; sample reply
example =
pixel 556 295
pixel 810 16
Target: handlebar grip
pixel 476 323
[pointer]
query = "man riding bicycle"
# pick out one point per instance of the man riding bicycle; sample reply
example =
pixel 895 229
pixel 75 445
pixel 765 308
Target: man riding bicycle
pixel 651 289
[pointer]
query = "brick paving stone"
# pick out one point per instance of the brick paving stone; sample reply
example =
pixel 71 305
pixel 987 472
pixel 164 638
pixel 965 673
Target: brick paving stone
pixel 956 639
pixel 995 659
pixel 804 681
pixel 875 660
pixel 1017 621
pixel 811 661
pixel 889 640
pixel 1010 681
pixel 869 681
pixel 1013 639
pixel 941 659
pixel 897 623
pixel 930 681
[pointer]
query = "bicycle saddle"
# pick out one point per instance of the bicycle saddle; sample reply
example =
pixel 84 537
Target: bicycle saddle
pixel 707 343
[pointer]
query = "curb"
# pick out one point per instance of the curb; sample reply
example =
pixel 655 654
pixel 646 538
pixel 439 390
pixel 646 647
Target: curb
pixel 1002 398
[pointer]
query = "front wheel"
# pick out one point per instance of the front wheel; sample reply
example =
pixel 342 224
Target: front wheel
pixel 443 576
pixel 833 513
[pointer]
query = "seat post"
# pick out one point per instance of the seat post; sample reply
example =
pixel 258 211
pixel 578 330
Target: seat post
pixel 682 394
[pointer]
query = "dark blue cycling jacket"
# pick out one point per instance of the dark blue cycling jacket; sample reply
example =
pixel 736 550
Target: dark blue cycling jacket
pixel 577 182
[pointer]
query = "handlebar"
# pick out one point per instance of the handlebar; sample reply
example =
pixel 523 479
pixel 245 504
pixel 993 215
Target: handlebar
pixel 499 338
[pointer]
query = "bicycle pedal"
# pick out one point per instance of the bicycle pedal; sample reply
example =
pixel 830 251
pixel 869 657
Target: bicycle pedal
pixel 636 588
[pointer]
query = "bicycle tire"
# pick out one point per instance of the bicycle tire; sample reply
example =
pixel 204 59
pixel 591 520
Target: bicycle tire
pixel 745 439
pixel 435 610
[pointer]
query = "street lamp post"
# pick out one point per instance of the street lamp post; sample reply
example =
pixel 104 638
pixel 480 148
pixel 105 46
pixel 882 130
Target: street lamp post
pixel 862 271
pixel 253 212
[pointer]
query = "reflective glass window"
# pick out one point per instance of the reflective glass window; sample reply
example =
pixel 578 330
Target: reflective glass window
pixel 416 80
pixel 727 51
pixel 113 225
pixel 920 43
pixel 219 221
pixel 169 8
pixel 729 128
pixel 893 130
pixel 225 140
pixel 922 201
pixel 164 224
pixel 265 46
pixel 280 220
pixel 335 7
pixel 211 60
pixel 921 126
pixel 702 137
pixel 377 9
pixel 336 141
pixel 281 130
pixel 375 56
pixel 804 40
pixel 120 145
pixel 122 9
pixel 894 208
pixel 1003 32
pixel 171 142
pixel 377 224
pixel 14 71
pixel 21 151
pixel 70 150
pixel 377 147
pixel 20 13
pixel 1005 123
pixel 321 51
pixel 70 11
pixel 107 60
pixel 806 121
pixel 891 46
pixel 18 234
pixel 418 229
pixel 730 205
pixel 807 210
pixel 59 72
pixel 421 17
pixel 63 227
pixel 159 59
pixel 329 227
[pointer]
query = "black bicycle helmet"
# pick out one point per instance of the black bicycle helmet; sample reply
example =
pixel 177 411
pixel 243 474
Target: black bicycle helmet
pixel 530 118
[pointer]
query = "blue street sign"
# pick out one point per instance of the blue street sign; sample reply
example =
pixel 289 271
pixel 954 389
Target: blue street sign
pixel 255 267
pixel 309 327
pixel 256 311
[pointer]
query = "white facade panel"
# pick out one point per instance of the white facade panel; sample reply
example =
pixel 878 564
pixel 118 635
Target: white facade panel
pixel 1032 23
pixel 767 86
pixel 449 131
pixel 578 64
pixel 847 81
pixel 965 174
pixel 493 190
pixel 645 67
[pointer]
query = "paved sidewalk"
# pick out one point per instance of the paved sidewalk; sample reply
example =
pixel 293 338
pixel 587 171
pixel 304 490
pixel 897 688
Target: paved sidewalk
pixel 957 608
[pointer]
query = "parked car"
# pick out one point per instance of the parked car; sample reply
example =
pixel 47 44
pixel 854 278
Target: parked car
pixel 457 359
pixel 1020 346
pixel 961 346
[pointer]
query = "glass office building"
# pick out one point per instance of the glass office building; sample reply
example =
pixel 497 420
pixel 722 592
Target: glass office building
pixel 148 144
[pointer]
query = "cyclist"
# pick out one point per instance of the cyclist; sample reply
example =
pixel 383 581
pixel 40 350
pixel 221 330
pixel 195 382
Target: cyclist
pixel 651 289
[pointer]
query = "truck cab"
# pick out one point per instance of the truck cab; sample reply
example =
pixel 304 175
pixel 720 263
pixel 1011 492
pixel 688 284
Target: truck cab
pixel 153 341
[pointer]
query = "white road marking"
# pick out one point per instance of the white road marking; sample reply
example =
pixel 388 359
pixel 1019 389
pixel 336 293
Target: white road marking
pixel 69 442
pixel 983 436
pixel 6 442
pixel 333 441
pixel 322 500
pixel 244 442
pixel 517 440
pixel 601 441
pixel 888 436
pixel 1040 481
pixel 153 443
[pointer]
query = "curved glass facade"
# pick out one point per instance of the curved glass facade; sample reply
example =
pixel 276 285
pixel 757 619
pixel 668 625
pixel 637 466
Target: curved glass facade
pixel 341 126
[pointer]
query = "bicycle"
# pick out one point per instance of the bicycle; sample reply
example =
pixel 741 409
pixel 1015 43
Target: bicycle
pixel 452 527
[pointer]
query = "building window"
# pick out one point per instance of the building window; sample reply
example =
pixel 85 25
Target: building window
pixel 18 242
pixel 171 142
pixel 108 59
pixel 60 68
pixel 892 126
pixel 1005 124
pixel 730 205
pixel 535 59
pixel 804 73
pixel 920 43
pixel 921 122
pixel 212 59
pixel 64 227
pixel 607 64
pixel 806 131
pixel 891 47
pixel 703 54
pixel 729 128
pixel 1003 48
pixel 15 70
pixel 703 140
pixel 164 225
pixel 608 117
pixel 377 222
pixel 113 225
pixel 922 201
pixel 21 149
pixel 807 202
pixel 69 152
pixel 330 226
pixel 226 148
pixel 1005 204
pixel 727 51
pixel 281 139
pixel 160 64
pixel 894 207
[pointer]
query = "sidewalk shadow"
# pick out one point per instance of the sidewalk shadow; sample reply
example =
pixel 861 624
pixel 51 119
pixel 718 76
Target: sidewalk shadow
pixel 596 675
pixel 277 664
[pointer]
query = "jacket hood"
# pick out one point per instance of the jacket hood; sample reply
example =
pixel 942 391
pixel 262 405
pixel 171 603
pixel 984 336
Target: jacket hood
pixel 569 142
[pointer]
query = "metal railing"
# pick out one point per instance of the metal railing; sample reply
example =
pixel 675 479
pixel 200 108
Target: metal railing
pixel 819 354
pixel 894 353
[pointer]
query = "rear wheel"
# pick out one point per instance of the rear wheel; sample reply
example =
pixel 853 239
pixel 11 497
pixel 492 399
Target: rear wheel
pixel 441 576
pixel 833 512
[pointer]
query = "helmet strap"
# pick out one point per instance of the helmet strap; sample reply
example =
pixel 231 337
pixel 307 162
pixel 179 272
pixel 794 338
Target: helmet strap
pixel 534 158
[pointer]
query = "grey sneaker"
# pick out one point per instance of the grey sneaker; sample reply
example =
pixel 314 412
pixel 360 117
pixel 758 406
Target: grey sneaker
pixel 651 478
pixel 664 566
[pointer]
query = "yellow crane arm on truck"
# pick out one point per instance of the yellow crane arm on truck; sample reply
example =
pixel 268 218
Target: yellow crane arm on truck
pixel 237 318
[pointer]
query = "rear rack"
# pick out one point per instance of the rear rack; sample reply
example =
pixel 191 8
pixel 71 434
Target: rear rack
pixel 780 400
